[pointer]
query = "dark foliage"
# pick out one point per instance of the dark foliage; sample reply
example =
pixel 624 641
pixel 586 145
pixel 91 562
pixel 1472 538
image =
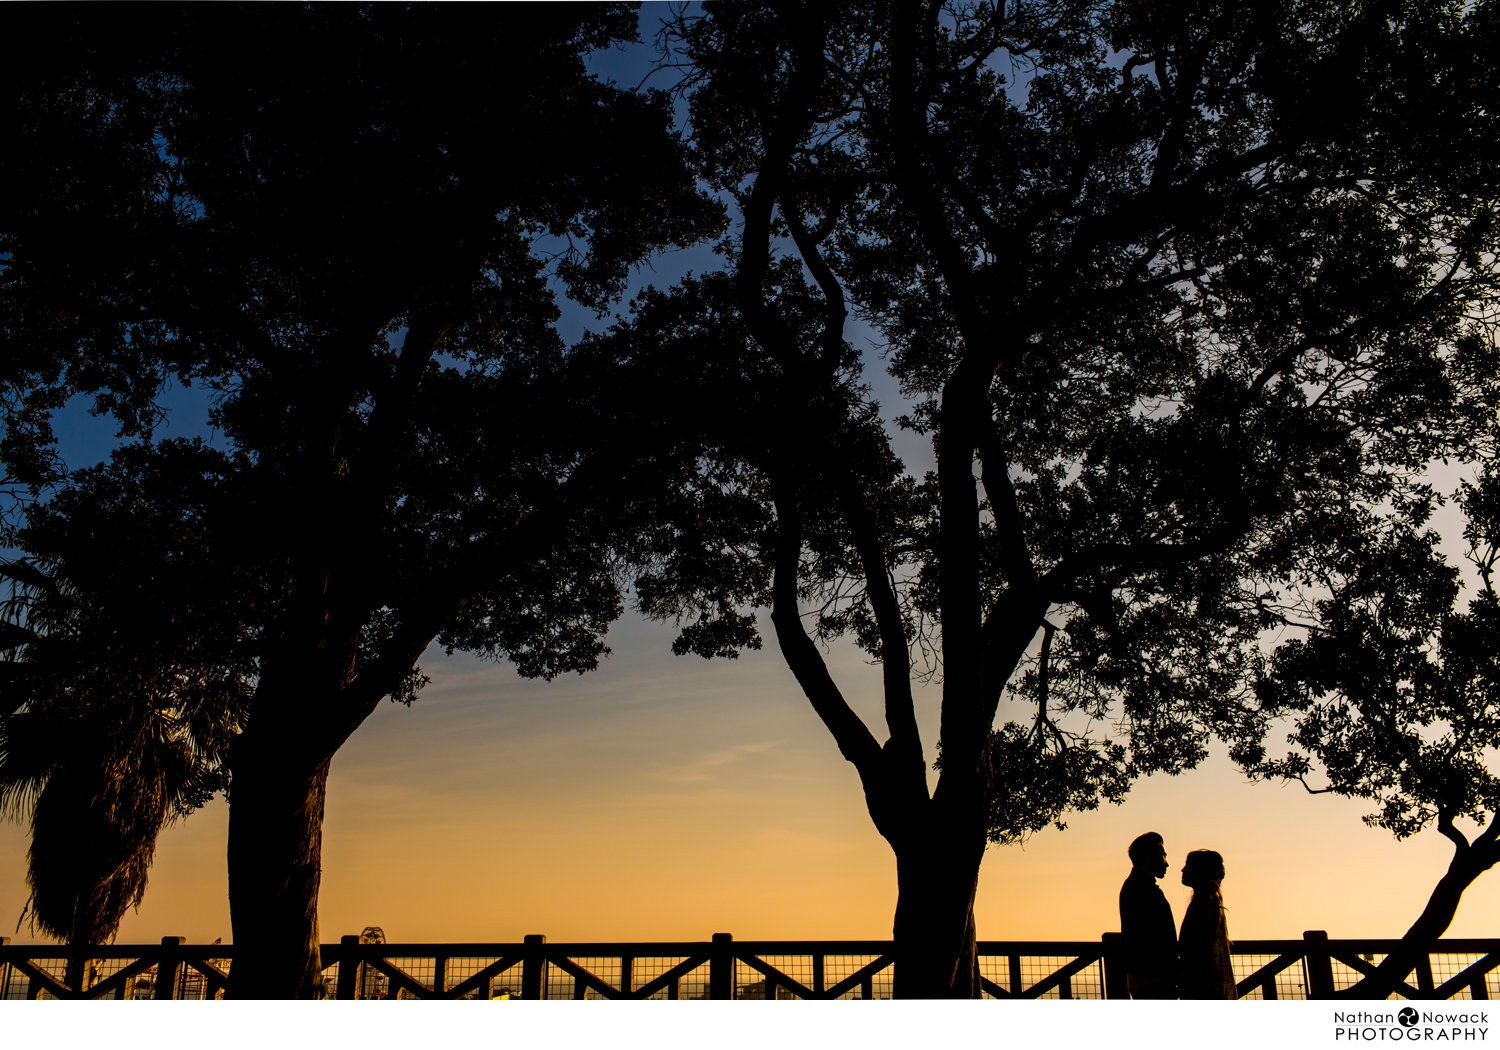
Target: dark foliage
pixel 1188 295
pixel 132 658
pixel 1393 696
pixel 348 222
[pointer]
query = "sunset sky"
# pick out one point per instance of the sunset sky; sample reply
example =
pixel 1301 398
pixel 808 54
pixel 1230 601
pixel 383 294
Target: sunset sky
pixel 666 798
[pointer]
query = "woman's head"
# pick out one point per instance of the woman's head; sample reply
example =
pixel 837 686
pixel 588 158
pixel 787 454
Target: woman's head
pixel 1203 867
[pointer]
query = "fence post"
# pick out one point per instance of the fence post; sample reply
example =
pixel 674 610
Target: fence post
pixel 1319 964
pixel 721 967
pixel 1115 985
pixel 533 966
pixel 348 966
pixel 169 967
pixel 4 972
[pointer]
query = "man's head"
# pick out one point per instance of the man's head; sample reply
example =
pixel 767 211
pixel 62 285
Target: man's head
pixel 1149 853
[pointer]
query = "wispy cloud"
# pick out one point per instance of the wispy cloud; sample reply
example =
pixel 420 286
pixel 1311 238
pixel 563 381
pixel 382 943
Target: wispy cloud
pixel 711 765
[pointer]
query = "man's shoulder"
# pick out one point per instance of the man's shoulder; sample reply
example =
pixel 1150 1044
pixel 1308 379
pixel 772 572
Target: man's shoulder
pixel 1142 889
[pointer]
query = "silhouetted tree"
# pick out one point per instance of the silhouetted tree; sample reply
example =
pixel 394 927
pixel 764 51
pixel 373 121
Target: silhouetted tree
pixel 130 665
pixel 1178 285
pixel 345 221
pixel 1394 697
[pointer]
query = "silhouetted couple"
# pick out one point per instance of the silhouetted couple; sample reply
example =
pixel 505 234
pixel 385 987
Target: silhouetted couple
pixel 1159 964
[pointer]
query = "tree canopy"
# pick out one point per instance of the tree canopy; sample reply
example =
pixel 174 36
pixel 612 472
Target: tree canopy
pixel 1185 301
pixel 1187 297
pixel 1392 696
pixel 349 223
pixel 132 663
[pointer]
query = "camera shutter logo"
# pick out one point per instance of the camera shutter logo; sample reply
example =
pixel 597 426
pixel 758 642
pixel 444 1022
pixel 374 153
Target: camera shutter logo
pixel 1407 1016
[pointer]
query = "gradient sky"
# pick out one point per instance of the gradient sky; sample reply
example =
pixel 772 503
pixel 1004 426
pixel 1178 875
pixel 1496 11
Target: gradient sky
pixel 665 798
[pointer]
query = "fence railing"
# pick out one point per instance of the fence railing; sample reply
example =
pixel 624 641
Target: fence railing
pixel 1313 967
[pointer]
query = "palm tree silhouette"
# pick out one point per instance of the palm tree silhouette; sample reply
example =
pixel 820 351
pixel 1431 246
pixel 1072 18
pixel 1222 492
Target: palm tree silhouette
pixel 103 741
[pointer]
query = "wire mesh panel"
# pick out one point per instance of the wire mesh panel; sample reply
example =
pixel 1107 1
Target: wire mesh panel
pixel 194 985
pixel 783 969
pixel 139 985
pixel 607 968
pixel 839 968
pixel 753 984
pixel 507 984
pixel 143 984
pixel 124 975
pixel 12 982
pixel 612 971
pixel 1088 983
pixel 1037 968
pixel 556 984
pixel 1347 977
pixel 190 984
pixel 1447 965
pixel 91 971
pixel 462 967
pixel 748 981
pixel 1290 983
pixel 329 978
pixel 370 983
pixel 418 968
pixel 996 969
pixel 57 969
pixel 647 968
pixel 694 984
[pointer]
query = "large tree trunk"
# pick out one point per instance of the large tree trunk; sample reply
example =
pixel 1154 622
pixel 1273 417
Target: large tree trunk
pixel 1469 863
pixel 275 866
pixel 303 712
pixel 935 935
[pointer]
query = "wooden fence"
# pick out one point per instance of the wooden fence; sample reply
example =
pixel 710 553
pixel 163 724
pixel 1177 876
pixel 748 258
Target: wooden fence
pixel 1314 967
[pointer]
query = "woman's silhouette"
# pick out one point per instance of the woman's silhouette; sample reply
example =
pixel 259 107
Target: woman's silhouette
pixel 1204 943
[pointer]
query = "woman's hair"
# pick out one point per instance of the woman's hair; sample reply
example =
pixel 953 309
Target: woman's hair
pixel 1204 866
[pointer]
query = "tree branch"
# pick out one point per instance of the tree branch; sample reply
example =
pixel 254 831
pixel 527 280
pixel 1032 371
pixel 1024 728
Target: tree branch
pixel 1327 343
pixel 1445 826
pixel 908 130
pixel 358 700
pixel 781 135
pixel 393 406
pixel 1133 555
pixel 1487 839
pixel 1044 680
pixel 850 733
pixel 1015 553
pixel 834 311
pixel 1007 632
pixel 905 744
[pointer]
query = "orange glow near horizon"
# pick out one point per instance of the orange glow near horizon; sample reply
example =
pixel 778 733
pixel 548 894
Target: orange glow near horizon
pixel 665 798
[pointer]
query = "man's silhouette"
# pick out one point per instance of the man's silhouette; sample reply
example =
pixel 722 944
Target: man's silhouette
pixel 1146 924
